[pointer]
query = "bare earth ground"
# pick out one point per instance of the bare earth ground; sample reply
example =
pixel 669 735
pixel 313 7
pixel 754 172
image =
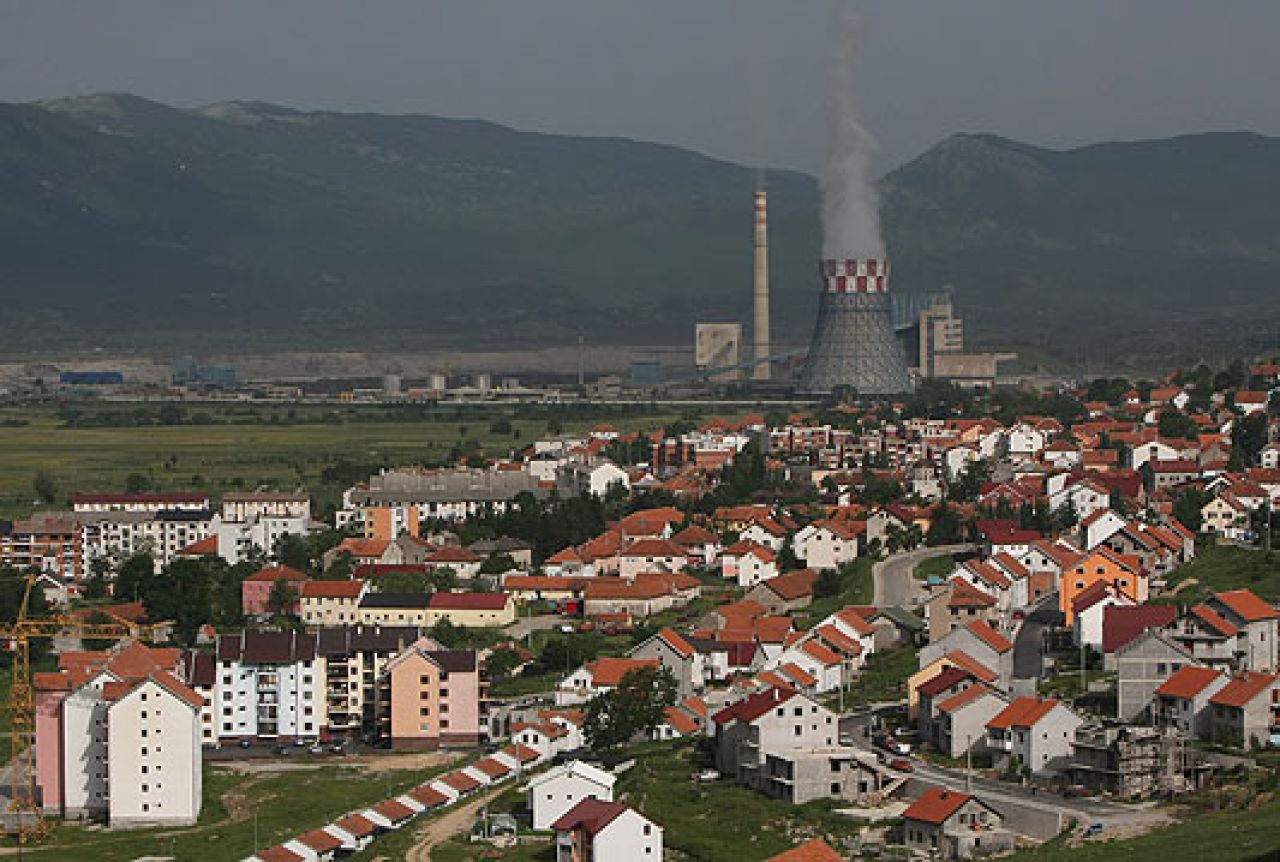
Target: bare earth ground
pixel 441 829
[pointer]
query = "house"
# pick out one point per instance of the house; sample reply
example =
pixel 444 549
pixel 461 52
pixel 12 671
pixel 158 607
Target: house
pixel 1258 624
pixel 685 664
pixel 828 544
pixel 652 555
pixel 597 677
pixel 1033 733
pixel 957 603
pixel 1125 760
pixel 393 609
pixel 785 593
pixel 438 697
pixel 1226 516
pixel 700 545
pixel 599 831
pixel 949 660
pixel 553 793
pixel 959 727
pixel 770 720
pixel 471 610
pixel 575 478
pixel 1244 712
pixel 1089 608
pixel 801 775
pixel 980 641
pixel 255 591
pixel 1143 665
pixel 1101 564
pixel 948 824
pixel 748 563
pixel 1182 700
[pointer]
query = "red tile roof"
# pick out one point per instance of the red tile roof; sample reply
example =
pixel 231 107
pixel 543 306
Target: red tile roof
pixel 816 850
pixel 280 853
pixel 1246 605
pixel 936 805
pixel 793 585
pixel 963 698
pixel 945 679
pixel 469 601
pixel 427 796
pixel 1213 620
pixel 1023 712
pixel 394 811
pixel 992 638
pixel 320 841
pixel 590 815
pixel 610 671
pixel 839 640
pixel 1122 624
pixel 971 664
pixel 276 573
pixel 1187 682
pixel 1243 689
pixel 358 826
pixel 965 595
pixel 332 589
pixel 683 723
pixel 751 708
pixel 460 781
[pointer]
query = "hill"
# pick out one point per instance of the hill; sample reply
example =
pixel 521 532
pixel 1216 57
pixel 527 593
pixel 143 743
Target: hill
pixel 130 223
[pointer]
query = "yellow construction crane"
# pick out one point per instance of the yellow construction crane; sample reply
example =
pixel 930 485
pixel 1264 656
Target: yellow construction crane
pixel 25 818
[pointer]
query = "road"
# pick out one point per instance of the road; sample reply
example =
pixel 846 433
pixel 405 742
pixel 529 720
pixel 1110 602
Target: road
pixel 894 577
pixel 440 829
pixel 520 629
pixel 1028 644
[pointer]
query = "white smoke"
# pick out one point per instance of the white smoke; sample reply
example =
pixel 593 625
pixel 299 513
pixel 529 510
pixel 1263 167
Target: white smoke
pixel 850 205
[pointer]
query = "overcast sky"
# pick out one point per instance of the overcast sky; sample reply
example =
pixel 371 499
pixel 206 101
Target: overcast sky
pixel 743 79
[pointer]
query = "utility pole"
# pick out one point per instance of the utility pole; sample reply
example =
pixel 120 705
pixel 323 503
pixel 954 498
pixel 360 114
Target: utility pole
pixel 968 764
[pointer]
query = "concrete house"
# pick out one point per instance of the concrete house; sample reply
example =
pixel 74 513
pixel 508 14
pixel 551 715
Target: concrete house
pixel 1035 733
pixel 785 593
pixel 827 544
pixel 1182 701
pixel 552 794
pixel 979 640
pixel 948 824
pixel 678 656
pixel 1143 665
pixel 597 831
pixel 771 720
pixel 800 775
pixel 960 725
pixel 597 677
pixel 1258 623
pixel 1245 710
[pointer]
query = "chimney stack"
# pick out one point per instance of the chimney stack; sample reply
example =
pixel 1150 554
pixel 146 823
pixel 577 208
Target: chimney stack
pixel 760 330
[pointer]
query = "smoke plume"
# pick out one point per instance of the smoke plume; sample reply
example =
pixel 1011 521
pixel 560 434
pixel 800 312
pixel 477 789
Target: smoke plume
pixel 850 205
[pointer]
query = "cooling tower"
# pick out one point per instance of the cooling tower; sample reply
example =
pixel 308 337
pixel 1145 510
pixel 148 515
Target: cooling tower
pixel 853 343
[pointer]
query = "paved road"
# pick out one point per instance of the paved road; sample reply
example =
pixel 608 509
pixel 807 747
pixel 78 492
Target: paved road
pixel 894 577
pixel 1028 645
pixel 521 627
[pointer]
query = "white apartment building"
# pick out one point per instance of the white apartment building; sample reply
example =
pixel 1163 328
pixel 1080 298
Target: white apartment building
pixel 269 685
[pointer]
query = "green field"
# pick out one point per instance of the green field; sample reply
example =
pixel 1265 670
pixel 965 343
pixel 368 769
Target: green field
pixel 226 448
pixel 940 566
pixel 1225 567
pixel 274 807
pixel 856 588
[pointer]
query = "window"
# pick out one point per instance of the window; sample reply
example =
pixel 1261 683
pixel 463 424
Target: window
pixel 835 789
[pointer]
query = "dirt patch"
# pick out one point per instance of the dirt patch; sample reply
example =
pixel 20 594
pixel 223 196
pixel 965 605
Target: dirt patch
pixel 392 762
pixel 441 829
pixel 1182 585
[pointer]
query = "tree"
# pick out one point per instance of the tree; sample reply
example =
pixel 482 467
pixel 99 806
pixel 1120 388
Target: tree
pixel 45 486
pixel 501 662
pixel 291 550
pixel 829 583
pixel 1248 437
pixel 341 568
pixel 945 528
pixel 630 711
pixel 447 634
pixel 283 598
pixel 497 564
pixel 136 483
pixel 1187 506
pixel 968 485
pixel 404 581
pixel 1175 423
pixel 134 579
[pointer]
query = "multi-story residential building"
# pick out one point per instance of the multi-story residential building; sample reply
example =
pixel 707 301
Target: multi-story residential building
pixel 827 544
pixel 1142 666
pixel 118 737
pixel 597 677
pixel 269 686
pixel 1124 760
pixel 331 603
pixel 438 697
pixel 51 543
pixel 146 501
pixel 1182 701
pixel 1258 624
pixel 352 660
pixel 800 775
pixel 114 536
pixel 244 506
pixel 686 665
pixel 449 495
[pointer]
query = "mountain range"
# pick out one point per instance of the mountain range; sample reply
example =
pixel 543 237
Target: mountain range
pixel 124 222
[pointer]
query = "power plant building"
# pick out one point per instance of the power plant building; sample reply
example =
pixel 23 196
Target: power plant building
pixel 854 345
pixel 718 345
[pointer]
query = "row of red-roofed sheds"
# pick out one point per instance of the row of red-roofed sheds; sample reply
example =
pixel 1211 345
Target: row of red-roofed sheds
pixel 354 831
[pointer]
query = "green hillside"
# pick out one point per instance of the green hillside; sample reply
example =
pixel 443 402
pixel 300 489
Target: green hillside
pixel 125 222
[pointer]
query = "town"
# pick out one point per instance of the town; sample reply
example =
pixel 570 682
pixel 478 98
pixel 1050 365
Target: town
pixel 952 624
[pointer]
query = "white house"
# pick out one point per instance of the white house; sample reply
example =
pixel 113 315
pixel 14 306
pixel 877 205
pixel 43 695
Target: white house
pixel 748 563
pixel 596 831
pixel 826 544
pixel 553 793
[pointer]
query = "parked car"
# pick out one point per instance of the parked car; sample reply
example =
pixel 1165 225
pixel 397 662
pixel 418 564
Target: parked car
pixel 901 764
pixel 281 750
pixel 245 743
pixel 894 746
pixel 708 775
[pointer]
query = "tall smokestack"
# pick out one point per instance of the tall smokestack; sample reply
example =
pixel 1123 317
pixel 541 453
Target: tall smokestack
pixel 760 331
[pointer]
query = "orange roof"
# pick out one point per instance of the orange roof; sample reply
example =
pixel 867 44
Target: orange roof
pixel 1246 605
pixel 271 574
pixel 677 642
pixel 683 723
pixel 332 589
pixel 394 811
pixel 610 671
pixel 363 547
pixel 793 585
pixel 460 781
pixel 1241 690
pixel 855 620
pixel 963 698
pixel 280 853
pixel 653 548
pixel 1023 712
pixel 740 612
pixel 820 653
pixel 839 639
pixel 1214 620
pixel 936 805
pixel 202 548
pixel 816 850
pixel 965 595
pixel 523 753
pixel 1187 682
pixel 356 825
pixel 962 659
pixel 798 673
pixel 320 841
pixel 428 796
pixel 992 638
pixel 491 767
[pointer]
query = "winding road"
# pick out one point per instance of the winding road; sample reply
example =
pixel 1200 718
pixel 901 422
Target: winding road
pixel 894 577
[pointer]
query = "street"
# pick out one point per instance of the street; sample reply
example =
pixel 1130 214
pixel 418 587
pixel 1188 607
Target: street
pixel 894 577
pixel 1028 644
